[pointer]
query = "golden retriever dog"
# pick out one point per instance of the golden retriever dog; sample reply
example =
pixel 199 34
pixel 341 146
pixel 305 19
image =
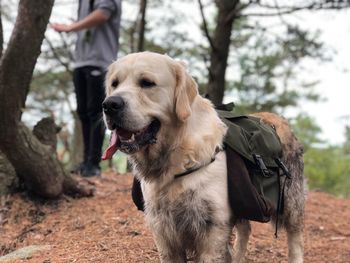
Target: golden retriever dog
pixel 166 128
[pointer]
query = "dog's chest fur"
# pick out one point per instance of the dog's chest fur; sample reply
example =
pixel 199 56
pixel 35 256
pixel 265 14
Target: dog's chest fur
pixel 184 210
pixel 189 217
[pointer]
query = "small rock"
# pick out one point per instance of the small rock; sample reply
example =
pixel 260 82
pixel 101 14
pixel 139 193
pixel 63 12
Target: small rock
pixel 23 253
pixel 338 238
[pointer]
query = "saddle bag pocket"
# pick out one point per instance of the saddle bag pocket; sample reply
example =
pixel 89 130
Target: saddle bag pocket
pixel 246 201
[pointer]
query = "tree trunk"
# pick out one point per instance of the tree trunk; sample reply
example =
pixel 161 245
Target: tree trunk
pixel 142 26
pixel 1 31
pixel 33 161
pixel 220 50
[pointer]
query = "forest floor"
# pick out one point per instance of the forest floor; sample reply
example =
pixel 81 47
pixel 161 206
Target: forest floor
pixel 108 228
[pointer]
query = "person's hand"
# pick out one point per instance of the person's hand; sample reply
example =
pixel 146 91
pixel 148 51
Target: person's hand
pixel 61 27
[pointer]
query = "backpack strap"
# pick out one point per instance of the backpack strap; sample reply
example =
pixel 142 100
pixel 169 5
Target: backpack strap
pixel 281 190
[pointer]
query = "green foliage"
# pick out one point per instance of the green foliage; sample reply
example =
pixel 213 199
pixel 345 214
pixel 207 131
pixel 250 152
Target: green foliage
pixel 327 168
pixel 307 131
pixel 347 140
pixel 46 86
pixel 51 93
pixel 268 67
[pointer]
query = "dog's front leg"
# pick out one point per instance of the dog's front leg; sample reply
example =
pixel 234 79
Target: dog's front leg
pixel 216 246
pixel 169 258
pixel 169 252
pixel 243 230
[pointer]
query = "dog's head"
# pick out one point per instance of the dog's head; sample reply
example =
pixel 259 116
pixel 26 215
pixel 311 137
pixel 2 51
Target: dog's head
pixel 146 92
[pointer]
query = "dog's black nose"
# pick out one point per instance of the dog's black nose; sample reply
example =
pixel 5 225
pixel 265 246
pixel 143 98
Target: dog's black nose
pixel 113 104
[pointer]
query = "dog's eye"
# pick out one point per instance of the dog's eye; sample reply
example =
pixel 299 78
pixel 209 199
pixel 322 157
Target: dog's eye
pixel 115 83
pixel 145 83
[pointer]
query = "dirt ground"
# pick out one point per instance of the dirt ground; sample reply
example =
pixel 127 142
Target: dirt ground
pixel 108 228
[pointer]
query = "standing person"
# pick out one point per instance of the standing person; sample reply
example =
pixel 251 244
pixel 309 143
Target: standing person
pixel 97 46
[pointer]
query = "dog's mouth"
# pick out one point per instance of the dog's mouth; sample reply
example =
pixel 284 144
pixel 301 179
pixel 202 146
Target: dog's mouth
pixel 131 142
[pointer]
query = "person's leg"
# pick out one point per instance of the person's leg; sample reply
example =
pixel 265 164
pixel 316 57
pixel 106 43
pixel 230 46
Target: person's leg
pixel 96 95
pixel 79 80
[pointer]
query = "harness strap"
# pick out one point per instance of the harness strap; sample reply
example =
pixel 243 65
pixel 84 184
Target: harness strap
pixel 194 169
pixel 280 202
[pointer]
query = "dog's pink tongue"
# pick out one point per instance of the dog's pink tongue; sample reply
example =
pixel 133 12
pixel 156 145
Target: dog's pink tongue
pixel 112 147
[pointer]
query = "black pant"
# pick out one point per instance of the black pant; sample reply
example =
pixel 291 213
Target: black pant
pixel 90 93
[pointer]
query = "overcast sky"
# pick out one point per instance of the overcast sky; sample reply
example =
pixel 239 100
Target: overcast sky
pixel 334 76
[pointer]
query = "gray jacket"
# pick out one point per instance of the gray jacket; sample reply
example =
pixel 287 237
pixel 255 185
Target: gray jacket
pixel 98 46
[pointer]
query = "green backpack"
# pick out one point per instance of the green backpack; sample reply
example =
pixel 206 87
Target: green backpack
pixel 254 167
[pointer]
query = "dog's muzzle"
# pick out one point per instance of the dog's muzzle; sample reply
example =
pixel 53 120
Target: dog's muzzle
pixel 113 107
pixel 124 139
pixel 113 104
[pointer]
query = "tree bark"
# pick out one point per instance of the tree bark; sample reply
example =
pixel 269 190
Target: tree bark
pixel 142 26
pixel 1 31
pixel 33 161
pixel 220 49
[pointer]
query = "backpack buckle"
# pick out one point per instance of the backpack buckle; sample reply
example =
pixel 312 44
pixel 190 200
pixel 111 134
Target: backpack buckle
pixel 283 168
pixel 262 167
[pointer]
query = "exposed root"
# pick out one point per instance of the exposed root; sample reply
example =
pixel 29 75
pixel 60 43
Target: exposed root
pixel 77 188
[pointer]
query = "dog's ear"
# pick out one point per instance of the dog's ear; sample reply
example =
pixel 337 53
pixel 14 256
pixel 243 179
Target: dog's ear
pixel 185 92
